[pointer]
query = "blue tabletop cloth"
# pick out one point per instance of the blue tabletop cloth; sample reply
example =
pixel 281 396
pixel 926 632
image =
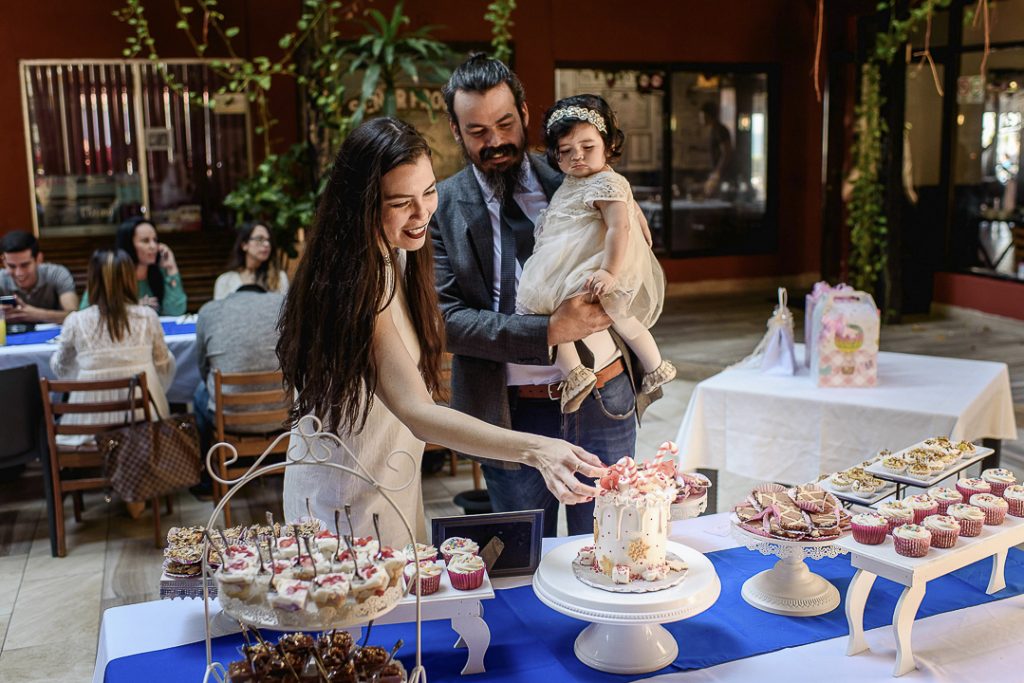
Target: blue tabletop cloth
pixel 42 336
pixel 530 642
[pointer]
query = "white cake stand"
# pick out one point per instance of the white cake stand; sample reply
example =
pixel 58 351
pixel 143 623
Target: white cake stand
pixel 625 636
pixel 789 588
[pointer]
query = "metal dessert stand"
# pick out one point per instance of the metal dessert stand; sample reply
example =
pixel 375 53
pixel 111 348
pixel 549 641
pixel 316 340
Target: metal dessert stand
pixel 320 446
pixel 625 635
pixel 789 588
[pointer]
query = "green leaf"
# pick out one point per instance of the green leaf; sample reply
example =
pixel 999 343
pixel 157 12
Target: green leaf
pixel 182 24
pixel 185 9
pixel 286 41
pixel 231 32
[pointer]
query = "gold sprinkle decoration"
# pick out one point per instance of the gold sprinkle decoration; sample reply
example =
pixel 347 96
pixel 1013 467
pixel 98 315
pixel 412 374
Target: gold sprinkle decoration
pixel 606 565
pixel 637 550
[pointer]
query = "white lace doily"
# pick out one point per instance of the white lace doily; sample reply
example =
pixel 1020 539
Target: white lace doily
pixel 811 550
pixel 262 615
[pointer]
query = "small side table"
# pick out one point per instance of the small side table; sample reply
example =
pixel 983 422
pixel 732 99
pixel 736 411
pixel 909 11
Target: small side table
pixel 914 574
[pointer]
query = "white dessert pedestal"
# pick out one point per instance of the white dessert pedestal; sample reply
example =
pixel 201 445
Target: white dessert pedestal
pixel 914 573
pixel 625 636
pixel 789 588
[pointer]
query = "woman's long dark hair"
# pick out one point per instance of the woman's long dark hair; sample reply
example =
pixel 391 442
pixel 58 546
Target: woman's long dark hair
pixel 111 286
pixel 268 275
pixel 124 241
pixel 342 284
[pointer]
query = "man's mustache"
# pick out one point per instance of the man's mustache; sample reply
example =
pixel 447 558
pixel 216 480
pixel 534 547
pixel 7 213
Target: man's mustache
pixel 488 153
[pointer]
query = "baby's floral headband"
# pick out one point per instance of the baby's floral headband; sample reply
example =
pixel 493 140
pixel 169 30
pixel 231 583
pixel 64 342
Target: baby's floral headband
pixel 581 113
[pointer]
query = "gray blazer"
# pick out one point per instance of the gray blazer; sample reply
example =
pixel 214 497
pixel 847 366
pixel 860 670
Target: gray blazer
pixel 481 340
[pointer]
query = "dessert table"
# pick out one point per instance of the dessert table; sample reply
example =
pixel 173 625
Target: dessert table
pixel 179 333
pixel 541 646
pixel 785 428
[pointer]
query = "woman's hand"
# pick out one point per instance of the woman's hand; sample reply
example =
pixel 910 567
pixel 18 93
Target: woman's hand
pixel 559 462
pixel 600 283
pixel 166 260
pixel 150 301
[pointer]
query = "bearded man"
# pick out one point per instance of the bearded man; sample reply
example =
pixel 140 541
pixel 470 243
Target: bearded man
pixel 502 368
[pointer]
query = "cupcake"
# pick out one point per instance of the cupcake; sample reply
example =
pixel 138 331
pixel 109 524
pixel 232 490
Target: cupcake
pixel 422 553
pixel 969 487
pixel 998 478
pixel 869 528
pixel 935 464
pixel 894 465
pixel 430 577
pixel 971 518
pixel 944 530
pixel 840 482
pixel 993 506
pixel 922 505
pixel 919 470
pixel 457 545
pixel 864 487
pixel 1014 497
pixel 466 571
pixel 896 513
pixel 945 496
pixel 911 540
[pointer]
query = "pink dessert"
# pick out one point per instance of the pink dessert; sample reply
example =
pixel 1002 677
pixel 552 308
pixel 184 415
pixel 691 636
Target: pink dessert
pixel 971 486
pixel 911 540
pixel 869 528
pixel 993 506
pixel 944 530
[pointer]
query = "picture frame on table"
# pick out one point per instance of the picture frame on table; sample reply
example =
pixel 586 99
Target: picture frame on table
pixel 519 531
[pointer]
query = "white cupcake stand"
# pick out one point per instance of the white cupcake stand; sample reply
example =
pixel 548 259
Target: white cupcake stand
pixel 625 636
pixel 914 573
pixel 789 588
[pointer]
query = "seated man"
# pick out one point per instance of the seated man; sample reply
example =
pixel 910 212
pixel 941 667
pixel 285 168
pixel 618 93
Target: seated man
pixel 234 334
pixel 45 291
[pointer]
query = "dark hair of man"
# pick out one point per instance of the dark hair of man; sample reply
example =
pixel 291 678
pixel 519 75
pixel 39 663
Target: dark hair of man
pixel 19 240
pixel 479 74
pixel 267 274
pixel 252 287
pixel 124 240
pixel 343 283
pixel 613 137
pixel 112 287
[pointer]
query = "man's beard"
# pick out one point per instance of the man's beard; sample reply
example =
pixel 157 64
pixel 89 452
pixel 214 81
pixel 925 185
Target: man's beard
pixel 503 181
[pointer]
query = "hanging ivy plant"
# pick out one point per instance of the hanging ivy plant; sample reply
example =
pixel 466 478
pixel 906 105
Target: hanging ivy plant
pixel 499 13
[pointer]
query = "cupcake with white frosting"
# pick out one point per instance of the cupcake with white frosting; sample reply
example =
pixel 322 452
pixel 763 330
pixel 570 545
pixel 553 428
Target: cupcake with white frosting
pixel 1014 497
pixel 466 571
pixel 911 540
pixel 896 512
pixel 972 485
pixel 421 553
pixel 970 517
pixel 945 496
pixel 869 528
pixel 999 478
pixel 944 530
pixel 923 505
pixel 456 545
pixel 430 577
pixel 993 506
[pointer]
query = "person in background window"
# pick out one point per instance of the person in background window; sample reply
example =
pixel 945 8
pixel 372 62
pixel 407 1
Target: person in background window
pixel 720 146
pixel 113 338
pixel 253 262
pixel 156 272
pixel 45 291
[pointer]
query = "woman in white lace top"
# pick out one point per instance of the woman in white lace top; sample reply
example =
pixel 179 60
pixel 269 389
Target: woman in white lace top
pixel 114 337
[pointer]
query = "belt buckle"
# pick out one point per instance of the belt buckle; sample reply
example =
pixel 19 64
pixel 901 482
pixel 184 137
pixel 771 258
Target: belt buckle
pixel 547 387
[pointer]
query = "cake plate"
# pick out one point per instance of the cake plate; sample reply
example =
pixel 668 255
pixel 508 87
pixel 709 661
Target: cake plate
pixel 625 635
pixel 789 588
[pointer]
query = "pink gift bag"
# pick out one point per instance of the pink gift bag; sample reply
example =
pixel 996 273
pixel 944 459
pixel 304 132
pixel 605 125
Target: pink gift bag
pixel 843 349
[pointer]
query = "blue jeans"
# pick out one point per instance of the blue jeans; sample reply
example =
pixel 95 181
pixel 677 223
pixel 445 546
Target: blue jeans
pixel 204 420
pixel 604 425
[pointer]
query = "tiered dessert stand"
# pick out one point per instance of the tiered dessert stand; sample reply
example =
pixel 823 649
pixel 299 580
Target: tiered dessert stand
pixel 914 573
pixel 625 635
pixel 789 588
pixel 320 445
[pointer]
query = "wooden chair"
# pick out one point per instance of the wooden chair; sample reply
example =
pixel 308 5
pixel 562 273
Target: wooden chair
pixel 252 398
pixel 74 469
pixel 453 458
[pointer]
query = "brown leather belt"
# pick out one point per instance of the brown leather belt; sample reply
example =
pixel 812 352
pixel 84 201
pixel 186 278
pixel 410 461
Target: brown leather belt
pixel 553 391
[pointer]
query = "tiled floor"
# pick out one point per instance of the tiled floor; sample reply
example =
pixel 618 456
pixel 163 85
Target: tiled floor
pixel 112 561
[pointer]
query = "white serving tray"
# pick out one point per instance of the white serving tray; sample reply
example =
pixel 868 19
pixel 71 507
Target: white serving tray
pixel 881 493
pixel 879 471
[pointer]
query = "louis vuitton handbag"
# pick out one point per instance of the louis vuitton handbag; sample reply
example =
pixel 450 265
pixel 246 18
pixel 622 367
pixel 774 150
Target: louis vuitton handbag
pixel 149 459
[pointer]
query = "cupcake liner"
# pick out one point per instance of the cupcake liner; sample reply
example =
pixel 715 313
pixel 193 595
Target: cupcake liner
pixel 869 535
pixel 911 547
pixel 944 538
pixel 896 521
pixel 921 513
pixel 970 527
pixel 428 584
pixel 1016 506
pixel 994 516
pixel 967 491
pixel 467 581
pixel 999 487
pixel 944 505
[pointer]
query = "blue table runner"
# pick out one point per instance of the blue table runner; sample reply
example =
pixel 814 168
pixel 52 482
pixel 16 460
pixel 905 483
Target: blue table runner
pixel 531 642
pixel 42 336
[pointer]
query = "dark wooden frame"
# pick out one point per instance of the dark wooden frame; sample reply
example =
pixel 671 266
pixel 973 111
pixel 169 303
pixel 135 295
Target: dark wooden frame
pixel 476 527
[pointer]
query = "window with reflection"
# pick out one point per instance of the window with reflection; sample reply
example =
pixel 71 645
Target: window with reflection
pixel 696 153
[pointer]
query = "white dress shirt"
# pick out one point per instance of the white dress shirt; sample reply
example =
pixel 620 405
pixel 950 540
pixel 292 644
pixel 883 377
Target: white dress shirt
pixel 531 199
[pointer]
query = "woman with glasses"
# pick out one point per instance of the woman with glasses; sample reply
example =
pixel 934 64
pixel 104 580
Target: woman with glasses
pixel 253 262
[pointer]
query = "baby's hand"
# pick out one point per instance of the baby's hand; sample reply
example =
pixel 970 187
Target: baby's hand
pixel 600 283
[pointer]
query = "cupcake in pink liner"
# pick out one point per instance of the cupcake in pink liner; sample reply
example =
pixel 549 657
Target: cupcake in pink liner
pixel 911 540
pixel 971 518
pixel 969 487
pixel 923 505
pixel 896 512
pixel 869 528
pixel 430 577
pixel 993 506
pixel 999 478
pixel 1014 497
pixel 945 496
pixel 944 530
pixel 423 553
pixel 456 545
pixel 466 571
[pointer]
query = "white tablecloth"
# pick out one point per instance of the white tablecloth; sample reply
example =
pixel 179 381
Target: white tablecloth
pixel 942 647
pixel 182 346
pixel 787 429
